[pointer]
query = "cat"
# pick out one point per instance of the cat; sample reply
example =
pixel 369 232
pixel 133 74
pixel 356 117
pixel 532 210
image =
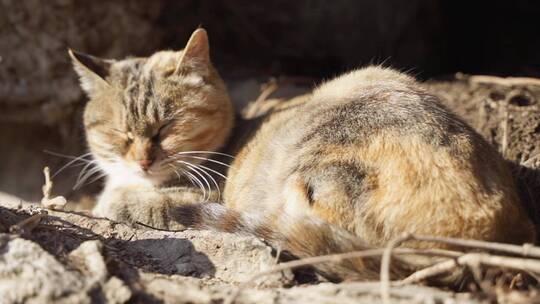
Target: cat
pixel 150 120
pixel 369 156
pixel 364 158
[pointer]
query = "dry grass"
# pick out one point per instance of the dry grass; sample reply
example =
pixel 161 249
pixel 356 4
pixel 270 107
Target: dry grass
pixel 486 259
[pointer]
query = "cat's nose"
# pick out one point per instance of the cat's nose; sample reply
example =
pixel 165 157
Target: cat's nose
pixel 145 163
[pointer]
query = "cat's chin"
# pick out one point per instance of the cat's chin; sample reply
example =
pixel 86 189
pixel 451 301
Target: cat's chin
pixel 120 174
pixel 136 179
pixel 156 180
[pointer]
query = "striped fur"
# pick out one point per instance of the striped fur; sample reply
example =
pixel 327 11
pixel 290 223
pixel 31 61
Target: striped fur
pixel 318 238
pixel 370 155
pixel 366 157
pixel 142 112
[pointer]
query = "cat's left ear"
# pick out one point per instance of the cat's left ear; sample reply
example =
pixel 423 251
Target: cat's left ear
pixel 196 54
pixel 92 71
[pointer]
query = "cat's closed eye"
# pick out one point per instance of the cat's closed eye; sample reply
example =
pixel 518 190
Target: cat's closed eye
pixel 145 96
pixel 163 130
pixel 125 136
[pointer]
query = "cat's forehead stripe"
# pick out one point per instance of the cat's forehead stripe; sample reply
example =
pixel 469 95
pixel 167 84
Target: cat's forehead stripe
pixel 140 101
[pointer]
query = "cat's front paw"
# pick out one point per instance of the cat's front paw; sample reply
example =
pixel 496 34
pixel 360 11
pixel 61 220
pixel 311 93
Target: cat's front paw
pixel 150 208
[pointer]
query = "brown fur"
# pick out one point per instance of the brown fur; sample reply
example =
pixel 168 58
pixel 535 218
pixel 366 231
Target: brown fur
pixel 144 112
pixel 366 157
pixel 369 156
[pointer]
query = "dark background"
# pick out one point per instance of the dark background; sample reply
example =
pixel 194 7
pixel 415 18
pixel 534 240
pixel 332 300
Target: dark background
pixel 41 102
pixel 322 38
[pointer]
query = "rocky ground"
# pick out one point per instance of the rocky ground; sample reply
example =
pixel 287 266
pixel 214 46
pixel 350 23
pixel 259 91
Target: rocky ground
pixel 72 258
pixel 69 257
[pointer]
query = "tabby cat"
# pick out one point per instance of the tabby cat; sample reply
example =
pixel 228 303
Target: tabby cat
pixel 150 123
pixel 368 156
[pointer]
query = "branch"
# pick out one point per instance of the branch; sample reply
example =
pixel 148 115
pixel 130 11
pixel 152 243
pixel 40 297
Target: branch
pixel 525 250
pixel 473 260
pixel 336 258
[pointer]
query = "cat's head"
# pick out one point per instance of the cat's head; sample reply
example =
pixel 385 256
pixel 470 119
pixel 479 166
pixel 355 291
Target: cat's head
pixel 143 112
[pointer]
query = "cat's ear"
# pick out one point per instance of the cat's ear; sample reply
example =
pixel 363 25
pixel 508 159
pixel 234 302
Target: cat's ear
pixel 196 54
pixel 92 71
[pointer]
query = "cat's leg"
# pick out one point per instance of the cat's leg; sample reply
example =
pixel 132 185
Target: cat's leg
pixel 147 205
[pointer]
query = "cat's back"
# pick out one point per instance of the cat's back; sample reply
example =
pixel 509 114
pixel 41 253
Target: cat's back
pixel 362 105
pixel 373 101
pixel 375 154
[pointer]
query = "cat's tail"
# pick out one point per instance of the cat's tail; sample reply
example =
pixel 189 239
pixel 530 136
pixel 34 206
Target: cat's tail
pixel 304 236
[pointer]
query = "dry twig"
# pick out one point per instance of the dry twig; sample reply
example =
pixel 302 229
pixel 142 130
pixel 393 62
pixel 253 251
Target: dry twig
pixel 504 127
pixel 525 250
pixel 473 260
pixel 267 89
pixel 531 160
pixel 385 266
pixel 509 81
pixel 458 259
pixel 28 224
pixel 55 203
pixel 262 104
pixel 333 258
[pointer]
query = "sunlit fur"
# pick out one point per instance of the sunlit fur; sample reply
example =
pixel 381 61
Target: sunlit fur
pixel 369 156
pixel 152 108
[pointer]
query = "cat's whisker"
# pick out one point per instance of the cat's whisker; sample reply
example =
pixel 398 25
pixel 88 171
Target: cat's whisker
pixel 93 180
pixel 82 156
pixel 82 178
pixel 207 183
pixel 193 183
pixel 199 183
pixel 193 179
pixel 74 159
pixel 176 172
pixel 189 177
pixel 183 173
pixel 202 169
pixel 206 152
pixel 72 164
pixel 206 159
pixel 194 169
pixel 83 172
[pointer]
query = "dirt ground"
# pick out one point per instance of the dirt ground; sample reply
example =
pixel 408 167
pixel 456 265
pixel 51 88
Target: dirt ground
pixel 73 258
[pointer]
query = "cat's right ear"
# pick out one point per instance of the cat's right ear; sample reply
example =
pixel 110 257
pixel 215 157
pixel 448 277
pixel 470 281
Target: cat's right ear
pixel 92 71
pixel 196 54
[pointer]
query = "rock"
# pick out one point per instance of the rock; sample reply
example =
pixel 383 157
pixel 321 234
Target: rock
pixel 102 261
pixel 176 289
pixel 116 291
pixel 89 260
pixel 224 256
pixel 30 274
pixel 204 254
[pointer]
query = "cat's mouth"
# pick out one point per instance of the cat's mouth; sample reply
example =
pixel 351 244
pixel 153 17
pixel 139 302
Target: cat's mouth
pixel 154 174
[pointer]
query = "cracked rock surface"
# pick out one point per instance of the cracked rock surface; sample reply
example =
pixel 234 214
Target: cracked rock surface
pixel 72 258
